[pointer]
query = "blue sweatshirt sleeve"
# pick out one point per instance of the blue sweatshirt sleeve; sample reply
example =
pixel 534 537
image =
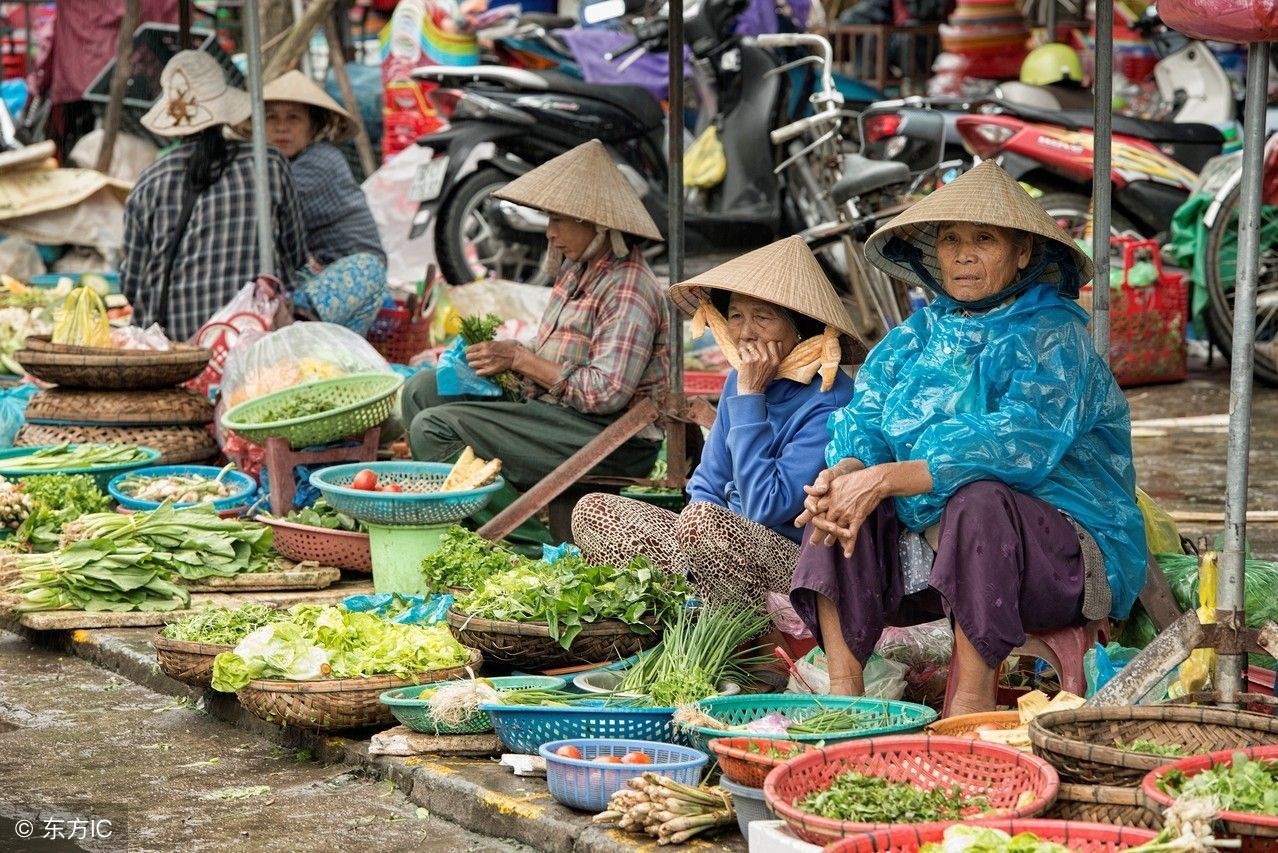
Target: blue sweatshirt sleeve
pixel 715 470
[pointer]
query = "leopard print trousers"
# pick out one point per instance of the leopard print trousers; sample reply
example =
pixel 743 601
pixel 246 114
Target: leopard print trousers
pixel 726 558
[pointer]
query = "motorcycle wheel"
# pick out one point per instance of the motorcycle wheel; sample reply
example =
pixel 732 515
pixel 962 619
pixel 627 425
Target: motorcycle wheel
pixel 472 243
pixel 1221 268
pixel 1070 212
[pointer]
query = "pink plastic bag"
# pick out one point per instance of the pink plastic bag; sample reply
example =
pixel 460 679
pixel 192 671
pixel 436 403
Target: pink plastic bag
pixel 1223 20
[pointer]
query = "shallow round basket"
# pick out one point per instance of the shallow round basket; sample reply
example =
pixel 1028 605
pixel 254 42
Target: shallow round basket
pixel 109 368
pixel 965 725
pixel 338 703
pixel 607 681
pixel 157 407
pixel 1107 804
pixel 101 474
pixel 1000 774
pixel 185 661
pixel 528 645
pixel 1080 744
pixel 345 549
pixel 524 728
pixel 748 760
pixel 357 403
pixel 420 503
pixel 178 445
pixel 1257 832
pixel 1077 836
pixel 243 486
pixel 879 716
pixel 586 784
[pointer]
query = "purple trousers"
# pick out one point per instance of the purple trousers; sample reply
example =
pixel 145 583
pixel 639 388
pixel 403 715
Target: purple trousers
pixel 1007 564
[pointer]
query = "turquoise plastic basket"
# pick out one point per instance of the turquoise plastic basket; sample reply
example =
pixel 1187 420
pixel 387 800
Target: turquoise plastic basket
pixel 882 716
pixel 415 712
pixel 408 507
pixel 101 474
pixel 524 728
pixel 585 784
pixel 244 485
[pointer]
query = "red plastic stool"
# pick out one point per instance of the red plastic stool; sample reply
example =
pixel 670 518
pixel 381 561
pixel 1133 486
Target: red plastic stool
pixel 1062 649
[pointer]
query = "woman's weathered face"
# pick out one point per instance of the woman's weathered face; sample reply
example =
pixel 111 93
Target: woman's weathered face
pixel 752 322
pixel 289 127
pixel 979 260
pixel 570 236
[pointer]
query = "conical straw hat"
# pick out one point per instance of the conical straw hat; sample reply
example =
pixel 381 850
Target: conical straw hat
pixel 785 273
pixel 985 195
pixel 297 87
pixel 195 96
pixel 586 184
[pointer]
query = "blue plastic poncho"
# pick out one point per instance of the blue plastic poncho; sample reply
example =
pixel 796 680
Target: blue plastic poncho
pixel 1017 394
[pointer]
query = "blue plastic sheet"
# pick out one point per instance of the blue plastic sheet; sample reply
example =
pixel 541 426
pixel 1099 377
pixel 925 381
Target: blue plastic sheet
pixel 454 377
pixel 429 610
pixel 13 411
pixel 551 554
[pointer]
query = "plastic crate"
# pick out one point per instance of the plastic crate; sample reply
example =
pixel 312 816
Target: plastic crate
pixel 583 783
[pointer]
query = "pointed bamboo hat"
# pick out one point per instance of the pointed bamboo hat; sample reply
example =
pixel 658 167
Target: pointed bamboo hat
pixel 586 184
pixel 905 248
pixel 785 273
pixel 297 87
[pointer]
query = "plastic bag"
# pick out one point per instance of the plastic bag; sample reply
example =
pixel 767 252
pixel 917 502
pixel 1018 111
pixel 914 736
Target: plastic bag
pixel 1260 593
pixel 1240 21
pixel 925 650
pixel 551 554
pixel 152 338
pixel 884 679
pixel 13 411
pixel 783 615
pixel 428 610
pixel 1161 533
pixel 704 163
pixel 302 352
pixel 1196 672
pixel 258 298
pixel 1102 663
pixel 454 377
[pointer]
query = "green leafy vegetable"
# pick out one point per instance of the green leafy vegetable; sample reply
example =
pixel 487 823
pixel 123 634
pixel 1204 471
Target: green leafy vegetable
pixel 464 559
pixel 979 839
pixel 77 456
pixel 57 499
pixel 1244 785
pixel 478 330
pixel 279 650
pixel 1150 747
pixel 872 799
pixel 222 625
pixel 299 405
pixel 320 514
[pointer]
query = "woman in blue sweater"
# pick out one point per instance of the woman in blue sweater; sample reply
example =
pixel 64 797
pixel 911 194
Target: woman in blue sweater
pixel 785 332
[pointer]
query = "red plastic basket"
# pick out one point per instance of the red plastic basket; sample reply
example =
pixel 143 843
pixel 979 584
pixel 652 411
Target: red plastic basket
pixel 750 767
pixel 1257 832
pixel 999 773
pixel 400 333
pixel 703 383
pixel 1079 837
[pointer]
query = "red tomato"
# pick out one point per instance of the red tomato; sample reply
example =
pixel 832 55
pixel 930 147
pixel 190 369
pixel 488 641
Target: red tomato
pixel 365 481
pixel 607 759
pixel 568 751
pixel 393 487
pixel 636 757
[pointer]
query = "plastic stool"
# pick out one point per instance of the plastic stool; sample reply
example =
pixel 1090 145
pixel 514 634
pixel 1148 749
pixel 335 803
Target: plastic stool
pixel 281 460
pixel 1062 649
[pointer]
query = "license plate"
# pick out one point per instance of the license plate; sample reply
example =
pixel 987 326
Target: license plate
pixel 428 180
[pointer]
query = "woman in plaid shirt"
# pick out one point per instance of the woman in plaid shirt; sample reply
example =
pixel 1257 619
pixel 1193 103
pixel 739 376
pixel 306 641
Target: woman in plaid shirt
pixel 602 342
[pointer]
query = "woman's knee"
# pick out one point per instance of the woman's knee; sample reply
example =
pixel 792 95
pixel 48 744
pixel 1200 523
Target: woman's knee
pixel 591 513
pixel 975 501
pixel 695 522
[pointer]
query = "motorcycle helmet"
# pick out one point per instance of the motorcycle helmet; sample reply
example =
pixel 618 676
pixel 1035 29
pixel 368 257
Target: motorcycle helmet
pixel 1050 64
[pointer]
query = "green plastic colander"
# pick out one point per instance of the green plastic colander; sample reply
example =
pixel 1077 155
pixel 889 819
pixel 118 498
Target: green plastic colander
pixel 356 403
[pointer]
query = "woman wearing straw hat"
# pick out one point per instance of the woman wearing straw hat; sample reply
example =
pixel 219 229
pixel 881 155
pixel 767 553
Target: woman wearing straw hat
pixel 601 343
pixel 345 281
pixel 999 434
pixel 190 228
pixel 785 333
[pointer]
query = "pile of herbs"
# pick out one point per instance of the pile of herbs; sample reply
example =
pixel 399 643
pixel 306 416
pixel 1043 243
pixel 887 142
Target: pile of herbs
pixel 320 514
pixel 478 330
pixel 466 559
pixel 872 799
pixel 119 562
pixel 223 625
pixel 571 593
pixel 55 500
pixel 961 838
pixel 295 406
pixel 1150 747
pixel 1243 785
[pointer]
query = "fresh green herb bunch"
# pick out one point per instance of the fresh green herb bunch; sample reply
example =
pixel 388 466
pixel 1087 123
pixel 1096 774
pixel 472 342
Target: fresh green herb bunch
pixel 478 330
pixel 1243 785
pixel 295 406
pixel 57 499
pixel 79 456
pixel 321 514
pixel 223 625
pixel 571 593
pixel 872 799
pixel 465 560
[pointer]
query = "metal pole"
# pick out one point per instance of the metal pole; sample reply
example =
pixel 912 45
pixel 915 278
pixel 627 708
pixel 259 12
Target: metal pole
pixel 261 178
pixel 184 24
pixel 674 233
pixel 1050 23
pixel 1102 189
pixel 306 57
pixel 1229 583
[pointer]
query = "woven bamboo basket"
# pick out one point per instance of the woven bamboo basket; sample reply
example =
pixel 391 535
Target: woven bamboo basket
pixel 1105 804
pixel 965 725
pixel 528 645
pixel 160 407
pixel 190 663
pixel 1080 744
pixel 106 368
pixel 178 445
pixel 338 703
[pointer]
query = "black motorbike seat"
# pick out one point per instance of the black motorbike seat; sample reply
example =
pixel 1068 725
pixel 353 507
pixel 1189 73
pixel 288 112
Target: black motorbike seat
pixel 862 175
pixel 1151 131
pixel 633 99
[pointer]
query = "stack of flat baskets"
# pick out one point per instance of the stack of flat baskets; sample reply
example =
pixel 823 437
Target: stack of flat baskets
pixel 118 396
pixel 1101 782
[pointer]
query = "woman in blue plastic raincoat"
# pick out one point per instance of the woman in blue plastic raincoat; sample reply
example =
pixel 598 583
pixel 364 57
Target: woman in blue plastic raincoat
pixel 999 434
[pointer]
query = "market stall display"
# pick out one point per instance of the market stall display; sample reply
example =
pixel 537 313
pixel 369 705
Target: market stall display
pixel 748 760
pixel 99 461
pixel 183 485
pixel 317 413
pixel 666 809
pixel 1023 836
pixel 585 774
pixel 524 728
pixel 1241 785
pixel 322 534
pixel 433 710
pixel 185 649
pixel 110 368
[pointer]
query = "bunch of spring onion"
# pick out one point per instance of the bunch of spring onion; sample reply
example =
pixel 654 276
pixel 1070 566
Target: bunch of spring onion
pixel 700 648
pixel 670 812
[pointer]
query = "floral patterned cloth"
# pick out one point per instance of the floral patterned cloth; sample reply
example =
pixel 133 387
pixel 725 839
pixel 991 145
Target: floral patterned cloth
pixel 349 292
